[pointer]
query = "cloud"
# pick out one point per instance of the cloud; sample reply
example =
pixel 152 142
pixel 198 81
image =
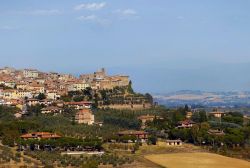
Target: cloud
pixel 126 12
pixel 94 19
pixel 45 12
pixel 87 18
pixel 90 6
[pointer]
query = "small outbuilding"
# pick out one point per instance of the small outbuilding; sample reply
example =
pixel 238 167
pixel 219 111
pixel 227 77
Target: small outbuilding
pixel 174 142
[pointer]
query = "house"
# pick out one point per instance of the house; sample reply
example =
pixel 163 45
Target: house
pixel 1 92
pixel 217 114
pixel 142 135
pixel 18 115
pixel 40 81
pixel 24 94
pixel 40 135
pixel 85 116
pixel 189 115
pixel 30 73
pixel 79 105
pixel 185 124
pixel 217 132
pixel 2 102
pixel 51 109
pixel 78 86
pixel 59 103
pixel 15 102
pixel 147 118
pixel 21 86
pixel 9 94
pixel 32 102
pixel 7 70
pixel 100 80
pixel 36 88
pixel 10 84
pixel 174 142
pixel 45 102
pixel 52 95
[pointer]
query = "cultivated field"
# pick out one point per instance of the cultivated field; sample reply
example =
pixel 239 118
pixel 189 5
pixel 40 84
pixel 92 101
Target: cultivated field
pixel 197 160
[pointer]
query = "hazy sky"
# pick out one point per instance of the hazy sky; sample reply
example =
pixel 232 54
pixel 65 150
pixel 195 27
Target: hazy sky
pixel 164 45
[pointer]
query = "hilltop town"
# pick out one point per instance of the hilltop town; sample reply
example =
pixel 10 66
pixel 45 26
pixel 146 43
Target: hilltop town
pixel 29 83
pixel 53 91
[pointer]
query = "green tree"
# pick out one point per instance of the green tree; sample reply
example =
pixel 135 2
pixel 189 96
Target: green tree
pixel 152 140
pixel 41 96
pixel 130 88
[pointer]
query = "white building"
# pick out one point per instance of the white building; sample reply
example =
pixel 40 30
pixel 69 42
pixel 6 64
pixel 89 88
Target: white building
pixel 10 84
pixel 7 70
pixel 78 86
pixel 52 95
pixel 30 73
pixel 24 94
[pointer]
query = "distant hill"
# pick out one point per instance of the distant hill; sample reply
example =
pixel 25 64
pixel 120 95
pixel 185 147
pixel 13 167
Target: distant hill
pixel 202 98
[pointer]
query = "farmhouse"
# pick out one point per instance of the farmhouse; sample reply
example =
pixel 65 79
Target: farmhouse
pixel 138 134
pixel 217 114
pixel 189 115
pixel 185 124
pixel 85 116
pixel 147 118
pixel 216 132
pixel 40 135
pixel 174 142
pixel 30 73
pixel 79 105
pixel 32 102
pixel 51 109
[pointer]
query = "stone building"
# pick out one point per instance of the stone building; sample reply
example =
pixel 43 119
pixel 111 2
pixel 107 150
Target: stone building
pixel 85 116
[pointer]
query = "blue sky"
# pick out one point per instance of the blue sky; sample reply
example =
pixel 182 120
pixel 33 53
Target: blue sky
pixel 164 45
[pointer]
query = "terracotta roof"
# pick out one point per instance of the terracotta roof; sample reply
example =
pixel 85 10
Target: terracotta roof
pixel 215 132
pixel 32 99
pixel 178 140
pixel 51 108
pixel 132 132
pixel 217 112
pixel 186 122
pixel 85 110
pixel 78 103
pixel 40 135
pixel 146 117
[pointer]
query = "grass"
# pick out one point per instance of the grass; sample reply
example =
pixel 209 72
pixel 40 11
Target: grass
pixel 196 160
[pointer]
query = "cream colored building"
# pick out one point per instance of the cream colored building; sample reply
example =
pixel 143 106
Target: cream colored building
pixel 21 86
pixel 36 88
pixel 78 86
pixel 10 84
pixel 10 94
pixel 30 73
pixel 52 95
pixel 7 70
pixel 24 93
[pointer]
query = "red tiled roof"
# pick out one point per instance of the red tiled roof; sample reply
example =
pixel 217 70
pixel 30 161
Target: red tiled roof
pixel 40 135
pixel 78 103
pixel 132 132
pixel 186 122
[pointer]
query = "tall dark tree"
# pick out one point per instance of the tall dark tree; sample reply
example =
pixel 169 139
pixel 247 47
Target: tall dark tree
pixel 41 96
pixel 130 88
